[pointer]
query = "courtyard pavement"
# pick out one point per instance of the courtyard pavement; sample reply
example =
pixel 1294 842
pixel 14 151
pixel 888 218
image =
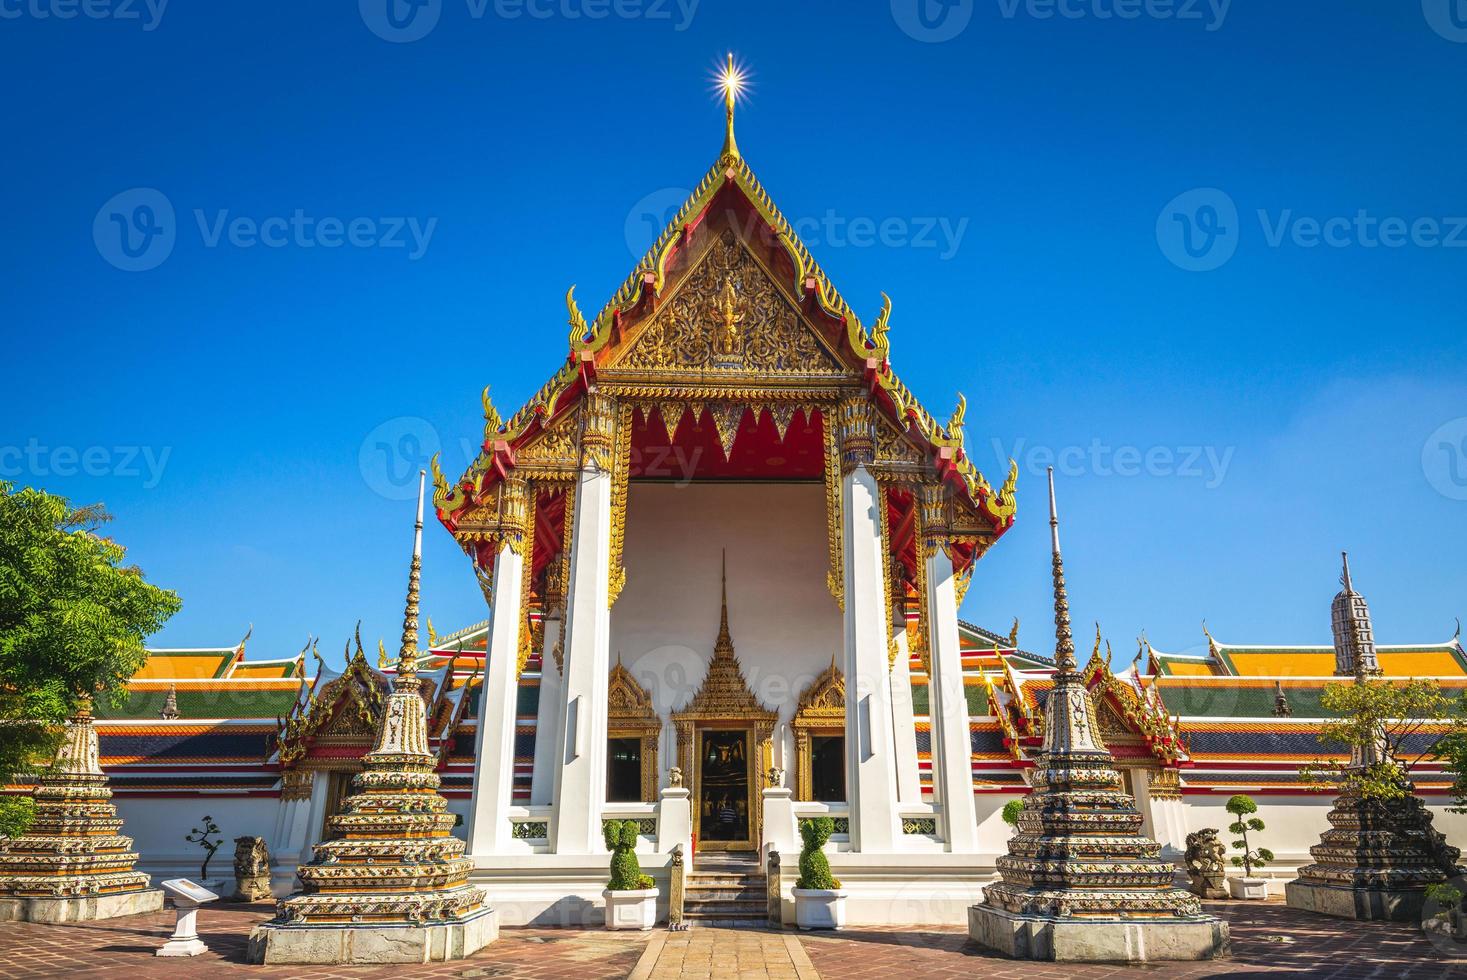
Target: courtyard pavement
pixel 1268 938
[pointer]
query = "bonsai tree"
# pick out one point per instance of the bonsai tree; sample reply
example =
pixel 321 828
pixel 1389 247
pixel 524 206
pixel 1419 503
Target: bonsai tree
pixel 1240 806
pixel 201 838
pixel 626 870
pixel 814 868
pixel 1011 811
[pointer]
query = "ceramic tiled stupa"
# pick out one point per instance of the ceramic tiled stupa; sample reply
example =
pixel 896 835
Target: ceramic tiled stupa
pixel 1080 882
pixel 393 887
pixel 72 864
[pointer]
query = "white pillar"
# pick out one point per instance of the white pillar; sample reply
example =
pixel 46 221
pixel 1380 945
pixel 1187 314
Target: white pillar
pixel 488 824
pixel 547 717
pixel 580 756
pixel 292 829
pixel 870 749
pixel 904 721
pixel 674 820
pixel 952 746
pixel 315 822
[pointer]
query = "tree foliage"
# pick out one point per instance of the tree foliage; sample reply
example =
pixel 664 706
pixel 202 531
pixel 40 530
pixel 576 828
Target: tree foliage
pixel 73 621
pixel 1397 717
pixel 1242 806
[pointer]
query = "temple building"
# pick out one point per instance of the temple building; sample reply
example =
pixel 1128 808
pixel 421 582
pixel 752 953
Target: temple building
pixel 723 549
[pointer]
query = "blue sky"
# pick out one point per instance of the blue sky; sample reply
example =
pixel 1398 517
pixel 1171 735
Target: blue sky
pixel 1204 255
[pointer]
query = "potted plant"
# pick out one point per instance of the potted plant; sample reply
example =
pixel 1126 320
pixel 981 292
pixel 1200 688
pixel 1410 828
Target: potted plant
pixel 631 897
pixel 1247 886
pixel 819 901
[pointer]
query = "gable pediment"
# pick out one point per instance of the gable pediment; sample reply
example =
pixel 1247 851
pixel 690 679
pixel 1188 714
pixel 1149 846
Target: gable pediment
pixel 727 315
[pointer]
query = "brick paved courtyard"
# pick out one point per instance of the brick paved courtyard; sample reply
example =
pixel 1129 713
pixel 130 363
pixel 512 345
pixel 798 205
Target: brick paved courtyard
pixel 1267 939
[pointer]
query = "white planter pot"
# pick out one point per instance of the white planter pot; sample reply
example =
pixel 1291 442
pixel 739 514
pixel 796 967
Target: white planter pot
pixel 820 908
pixel 635 909
pixel 1249 888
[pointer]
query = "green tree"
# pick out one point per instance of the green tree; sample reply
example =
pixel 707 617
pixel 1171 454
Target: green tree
pixel 73 620
pixel 1241 806
pixel 1397 718
pixel 1011 811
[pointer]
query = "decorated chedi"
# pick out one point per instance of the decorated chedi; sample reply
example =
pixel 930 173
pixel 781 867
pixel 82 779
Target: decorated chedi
pixel 1079 882
pixel 393 886
pixel 72 864
pixel 1380 854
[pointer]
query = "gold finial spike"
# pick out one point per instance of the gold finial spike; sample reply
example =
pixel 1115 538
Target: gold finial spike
pixel 731 81
pixel 407 654
pixel 725 642
pixel 1064 650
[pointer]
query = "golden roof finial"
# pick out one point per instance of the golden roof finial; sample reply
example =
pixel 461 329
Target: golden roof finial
pixel 731 81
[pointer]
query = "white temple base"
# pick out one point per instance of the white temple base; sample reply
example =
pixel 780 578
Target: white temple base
pixel 373 943
pixel 1356 903
pixel 1097 940
pixel 83 909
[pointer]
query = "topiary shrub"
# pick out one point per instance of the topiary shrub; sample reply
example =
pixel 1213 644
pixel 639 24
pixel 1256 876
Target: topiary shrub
pixel 626 870
pixel 814 868
pixel 1240 806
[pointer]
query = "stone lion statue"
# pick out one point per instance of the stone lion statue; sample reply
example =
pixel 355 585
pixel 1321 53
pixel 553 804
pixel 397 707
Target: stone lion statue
pixel 1206 865
pixel 251 869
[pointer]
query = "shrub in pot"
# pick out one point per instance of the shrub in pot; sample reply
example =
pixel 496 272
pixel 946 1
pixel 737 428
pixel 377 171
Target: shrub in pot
pixel 1247 886
pixel 631 897
pixel 819 901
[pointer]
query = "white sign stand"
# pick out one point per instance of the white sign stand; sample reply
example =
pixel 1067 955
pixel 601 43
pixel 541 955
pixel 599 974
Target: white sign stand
pixel 187 897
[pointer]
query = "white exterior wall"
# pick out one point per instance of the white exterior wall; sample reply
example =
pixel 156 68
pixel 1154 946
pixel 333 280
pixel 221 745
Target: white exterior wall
pixel 785 624
pixel 158 825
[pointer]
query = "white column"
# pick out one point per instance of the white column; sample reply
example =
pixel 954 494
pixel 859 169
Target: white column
pixel 870 749
pixel 580 756
pixel 904 722
pixel 315 823
pixel 547 717
pixel 292 827
pixel 952 747
pixel 489 827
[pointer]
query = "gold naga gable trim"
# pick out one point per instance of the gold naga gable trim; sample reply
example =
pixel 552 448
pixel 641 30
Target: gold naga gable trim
pixel 620 475
pixel 834 519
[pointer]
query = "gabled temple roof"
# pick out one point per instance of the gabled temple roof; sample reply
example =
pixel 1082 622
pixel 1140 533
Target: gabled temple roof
pixel 729 187
pixel 1444 659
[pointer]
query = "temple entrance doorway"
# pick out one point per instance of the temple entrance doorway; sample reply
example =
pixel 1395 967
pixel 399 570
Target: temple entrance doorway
pixel 725 781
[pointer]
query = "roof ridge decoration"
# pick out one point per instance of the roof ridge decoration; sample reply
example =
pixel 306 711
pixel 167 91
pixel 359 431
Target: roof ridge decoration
pixel 809 285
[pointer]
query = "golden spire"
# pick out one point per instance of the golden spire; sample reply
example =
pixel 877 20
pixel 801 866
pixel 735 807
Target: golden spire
pixel 724 643
pixel 731 81
pixel 1064 650
pixel 407 655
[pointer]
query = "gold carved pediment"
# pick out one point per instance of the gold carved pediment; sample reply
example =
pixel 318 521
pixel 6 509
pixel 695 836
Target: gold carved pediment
pixel 824 699
pixel 728 315
pixel 628 702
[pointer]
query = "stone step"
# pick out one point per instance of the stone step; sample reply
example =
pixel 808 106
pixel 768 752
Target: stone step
pixel 759 923
pixel 692 895
pixel 726 910
pixel 725 881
